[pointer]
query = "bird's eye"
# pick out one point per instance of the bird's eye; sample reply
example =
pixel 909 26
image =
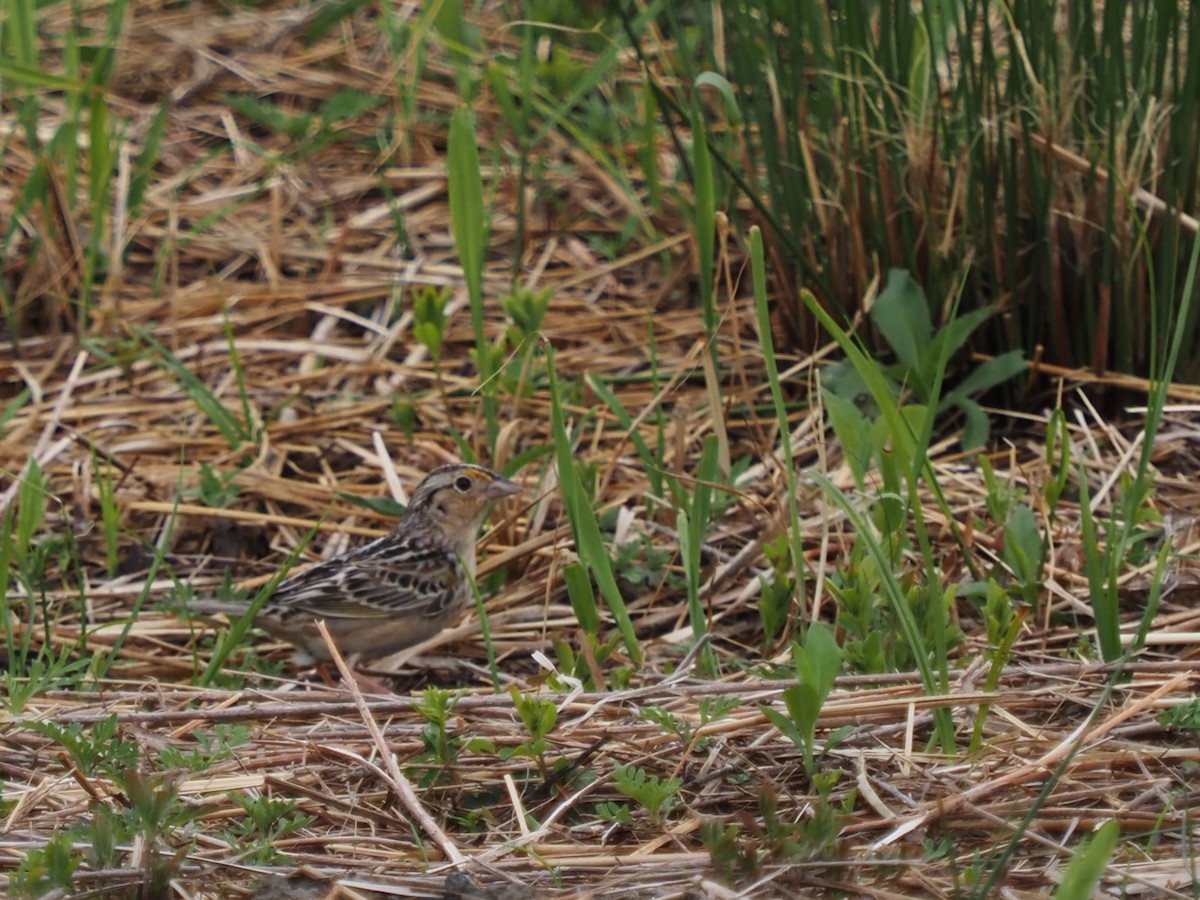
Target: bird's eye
pixel 462 483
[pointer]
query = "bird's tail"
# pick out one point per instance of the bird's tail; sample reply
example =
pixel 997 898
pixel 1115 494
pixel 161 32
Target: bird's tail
pixel 208 607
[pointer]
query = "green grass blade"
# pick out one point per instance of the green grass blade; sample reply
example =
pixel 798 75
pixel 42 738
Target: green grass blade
pixel 208 403
pixel 485 630
pixel 6 561
pixel 239 625
pixel 758 270
pixel 467 220
pixel 239 376
pixel 34 77
pixel 31 508
pixel 1087 864
pixel 864 531
pixel 652 464
pixel 583 598
pixel 588 540
pixel 692 526
pixel 705 212
pixel 147 158
pixel 22 32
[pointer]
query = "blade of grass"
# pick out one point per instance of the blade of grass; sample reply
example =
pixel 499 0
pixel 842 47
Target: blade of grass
pixel 911 448
pixel 692 526
pixel 865 532
pixel 585 527
pixel 485 629
pixel 6 611
pixel 32 76
pixel 147 158
pixel 239 376
pixel 468 222
pixel 1088 862
pixel 209 404
pixel 1103 566
pixel 110 512
pixel 31 508
pixel 653 466
pixel 239 625
pixel 705 214
pixel 758 270
pixel 583 598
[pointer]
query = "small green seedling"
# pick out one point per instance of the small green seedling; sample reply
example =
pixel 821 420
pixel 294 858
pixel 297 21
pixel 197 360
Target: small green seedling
pixel 656 795
pixel 818 662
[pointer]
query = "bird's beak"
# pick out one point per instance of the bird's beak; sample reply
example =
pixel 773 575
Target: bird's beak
pixel 501 487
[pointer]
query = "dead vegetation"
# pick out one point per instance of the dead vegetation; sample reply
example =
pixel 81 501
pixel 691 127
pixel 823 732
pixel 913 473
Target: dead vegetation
pixel 301 274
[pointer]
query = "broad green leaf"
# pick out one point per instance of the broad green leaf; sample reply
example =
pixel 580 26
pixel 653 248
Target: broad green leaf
pixel 853 432
pixel 957 331
pixel 994 371
pixel 901 314
pixel 976 426
pixel 825 657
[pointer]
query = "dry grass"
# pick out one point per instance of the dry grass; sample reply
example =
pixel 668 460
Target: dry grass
pixel 305 266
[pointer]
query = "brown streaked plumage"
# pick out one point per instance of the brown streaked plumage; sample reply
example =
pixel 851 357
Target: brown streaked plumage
pixel 397 590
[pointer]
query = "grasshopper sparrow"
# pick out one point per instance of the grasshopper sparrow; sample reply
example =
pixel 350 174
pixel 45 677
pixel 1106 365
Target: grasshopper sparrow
pixel 395 591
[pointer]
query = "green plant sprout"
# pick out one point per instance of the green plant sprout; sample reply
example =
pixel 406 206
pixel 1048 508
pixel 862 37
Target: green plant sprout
pixel 429 320
pixel 216 490
pixel 901 313
pixel 775 594
pixel 441 746
pixel 266 821
pixel 110 513
pixel 740 849
pixel 656 795
pixel 539 717
pixel 213 747
pixel 98 750
pixel 818 661
pixel 46 869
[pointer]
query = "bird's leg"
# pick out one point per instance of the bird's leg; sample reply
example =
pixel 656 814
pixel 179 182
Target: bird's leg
pixel 326 675
pixel 369 685
pixel 366 683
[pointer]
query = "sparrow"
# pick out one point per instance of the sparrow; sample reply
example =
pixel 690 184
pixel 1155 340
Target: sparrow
pixel 395 591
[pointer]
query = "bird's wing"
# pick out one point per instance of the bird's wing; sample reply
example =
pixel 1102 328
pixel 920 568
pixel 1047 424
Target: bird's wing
pixel 377 585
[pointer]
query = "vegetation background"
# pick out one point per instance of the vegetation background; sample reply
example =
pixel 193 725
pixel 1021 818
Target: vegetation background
pixel 832 342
